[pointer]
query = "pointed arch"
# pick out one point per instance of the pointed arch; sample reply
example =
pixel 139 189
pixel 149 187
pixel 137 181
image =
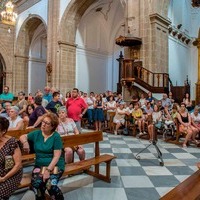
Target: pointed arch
pixel 71 18
pixel 22 47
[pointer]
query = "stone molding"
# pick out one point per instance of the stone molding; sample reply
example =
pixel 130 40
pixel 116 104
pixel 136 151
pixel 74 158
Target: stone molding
pixel 158 19
pixel 23 5
pixel 67 43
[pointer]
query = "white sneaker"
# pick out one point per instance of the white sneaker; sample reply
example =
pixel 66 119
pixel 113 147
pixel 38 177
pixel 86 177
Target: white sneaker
pixel 141 133
pixel 144 132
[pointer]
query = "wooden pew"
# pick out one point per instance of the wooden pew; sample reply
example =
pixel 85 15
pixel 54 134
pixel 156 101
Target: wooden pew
pixel 178 134
pixel 18 133
pixel 84 165
pixel 26 158
pixel 188 189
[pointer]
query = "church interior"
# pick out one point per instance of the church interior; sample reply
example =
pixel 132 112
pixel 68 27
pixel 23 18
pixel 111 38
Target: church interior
pixel 124 46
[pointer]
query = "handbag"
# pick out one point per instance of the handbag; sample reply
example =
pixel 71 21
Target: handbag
pixel 9 162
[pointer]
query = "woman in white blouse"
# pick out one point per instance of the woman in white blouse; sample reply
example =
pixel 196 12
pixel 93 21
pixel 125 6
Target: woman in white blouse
pixel 196 118
pixel 66 127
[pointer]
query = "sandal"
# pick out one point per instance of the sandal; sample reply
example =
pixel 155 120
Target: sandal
pixel 184 146
pixel 195 142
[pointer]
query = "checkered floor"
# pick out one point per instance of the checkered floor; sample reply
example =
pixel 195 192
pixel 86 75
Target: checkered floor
pixel 132 179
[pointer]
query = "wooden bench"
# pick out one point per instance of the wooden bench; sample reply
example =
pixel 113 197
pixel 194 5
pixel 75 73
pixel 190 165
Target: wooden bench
pixel 18 133
pixel 84 165
pixel 26 158
pixel 188 189
pixel 178 134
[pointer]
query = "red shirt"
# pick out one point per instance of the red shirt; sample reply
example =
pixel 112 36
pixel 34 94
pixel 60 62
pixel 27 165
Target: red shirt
pixel 75 107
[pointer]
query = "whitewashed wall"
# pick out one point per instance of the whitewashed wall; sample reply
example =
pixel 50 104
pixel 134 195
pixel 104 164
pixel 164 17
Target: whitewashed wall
pixel 96 65
pixel 91 71
pixel 37 60
pixel 183 59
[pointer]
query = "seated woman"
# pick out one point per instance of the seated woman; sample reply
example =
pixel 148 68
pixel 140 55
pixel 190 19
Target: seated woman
pixel 150 98
pixel 119 118
pixel 67 126
pixel 49 163
pixel 196 118
pixel 15 121
pixel 29 109
pixel 139 118
pixel 10 175
pixel 37 115
pixel 187 102
pixel 186 126
pixel 156 121
pixel 142 101
pixel 167 118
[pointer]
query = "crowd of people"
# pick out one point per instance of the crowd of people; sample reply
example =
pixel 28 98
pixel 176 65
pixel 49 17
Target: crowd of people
pixel 54 115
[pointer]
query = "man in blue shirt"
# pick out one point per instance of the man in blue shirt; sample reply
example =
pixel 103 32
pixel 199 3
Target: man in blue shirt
pixel 47 94
pixel 6 95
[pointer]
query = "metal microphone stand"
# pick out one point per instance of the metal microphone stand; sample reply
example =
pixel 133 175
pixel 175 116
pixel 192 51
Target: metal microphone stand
pixel 154 143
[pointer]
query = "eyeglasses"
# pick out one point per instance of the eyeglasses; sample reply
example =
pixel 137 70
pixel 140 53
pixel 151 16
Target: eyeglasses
pixel 47 123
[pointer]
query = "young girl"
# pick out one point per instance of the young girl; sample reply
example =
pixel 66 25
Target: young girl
pixel 98 112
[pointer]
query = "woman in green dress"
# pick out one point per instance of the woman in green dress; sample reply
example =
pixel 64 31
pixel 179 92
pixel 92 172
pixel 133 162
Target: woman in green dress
pixel 49 163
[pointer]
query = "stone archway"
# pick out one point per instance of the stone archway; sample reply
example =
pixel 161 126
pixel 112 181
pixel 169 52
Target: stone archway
pixel 5 68
pixel 2 73
pixel 22 57
pixel 66 42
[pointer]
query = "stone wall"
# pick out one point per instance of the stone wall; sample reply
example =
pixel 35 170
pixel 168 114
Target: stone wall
pixel 7 52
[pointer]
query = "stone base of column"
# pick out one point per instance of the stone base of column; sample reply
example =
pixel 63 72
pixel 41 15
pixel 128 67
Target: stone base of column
pixel 197 101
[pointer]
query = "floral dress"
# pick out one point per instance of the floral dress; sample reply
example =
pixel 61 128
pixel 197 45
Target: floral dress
pixel 11 184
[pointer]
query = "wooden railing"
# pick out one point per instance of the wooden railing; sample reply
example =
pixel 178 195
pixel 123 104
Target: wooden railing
pixel 155 82
pixel 132 71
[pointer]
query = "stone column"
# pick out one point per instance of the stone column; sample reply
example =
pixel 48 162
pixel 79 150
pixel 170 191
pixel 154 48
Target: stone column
pixel 197 44
pixel 67 63
pixel 52 42
pixel 159 43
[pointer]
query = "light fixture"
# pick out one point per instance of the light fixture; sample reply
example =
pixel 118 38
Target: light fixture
pixel 8 16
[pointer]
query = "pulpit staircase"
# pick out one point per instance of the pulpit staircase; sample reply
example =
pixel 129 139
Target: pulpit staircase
pixel 131 72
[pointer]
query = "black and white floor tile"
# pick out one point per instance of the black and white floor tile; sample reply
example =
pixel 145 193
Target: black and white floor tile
pixel 132 179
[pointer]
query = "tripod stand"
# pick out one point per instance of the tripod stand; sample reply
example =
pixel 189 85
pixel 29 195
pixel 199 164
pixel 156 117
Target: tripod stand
pixel 154 143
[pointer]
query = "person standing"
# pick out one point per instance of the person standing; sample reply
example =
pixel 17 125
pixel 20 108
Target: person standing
pixel 47 94
pixel 54 104
pixel 22 103
pixel 76 108
pixel 6 95
pixel 90 111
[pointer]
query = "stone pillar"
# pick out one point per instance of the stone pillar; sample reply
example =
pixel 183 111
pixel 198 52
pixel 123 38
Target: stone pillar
pixel 67 63
pixel 7 53
pixel 159 43
pixel 197 44
pixel 52 42
pixel 133 17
